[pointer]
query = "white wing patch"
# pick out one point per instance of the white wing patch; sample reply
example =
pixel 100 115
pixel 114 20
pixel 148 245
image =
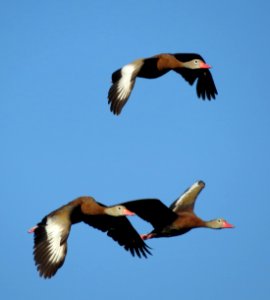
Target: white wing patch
pixel 126 83
pixel 181 199
pixel 54 237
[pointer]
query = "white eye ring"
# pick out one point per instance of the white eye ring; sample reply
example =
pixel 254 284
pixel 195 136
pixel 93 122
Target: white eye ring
pixel 196 61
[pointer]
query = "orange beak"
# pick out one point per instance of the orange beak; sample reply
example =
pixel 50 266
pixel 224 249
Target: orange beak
pixel 128 213
pixel 227 225
pixel 204 66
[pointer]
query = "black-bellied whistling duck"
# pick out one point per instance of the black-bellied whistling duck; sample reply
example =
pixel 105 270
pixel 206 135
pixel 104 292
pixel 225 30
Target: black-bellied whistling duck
pixel 190 65
pixel 175 220
pixel 51 234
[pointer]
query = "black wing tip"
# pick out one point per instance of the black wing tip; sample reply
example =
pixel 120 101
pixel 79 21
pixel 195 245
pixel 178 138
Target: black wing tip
pixel 47 273
pixel 45 268
pixel 206 89
pixel 115 110
pixel 137 247
pixel 140 252
pixel 147 250
pixel 207 95
pixel 115 104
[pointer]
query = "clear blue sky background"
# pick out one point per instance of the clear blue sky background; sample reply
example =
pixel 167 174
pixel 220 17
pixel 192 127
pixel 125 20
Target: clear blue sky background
pixel 59 141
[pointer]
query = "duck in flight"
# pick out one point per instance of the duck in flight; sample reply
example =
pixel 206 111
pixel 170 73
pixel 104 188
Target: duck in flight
pixel 190 66
pixel 51 234
pixel 177 219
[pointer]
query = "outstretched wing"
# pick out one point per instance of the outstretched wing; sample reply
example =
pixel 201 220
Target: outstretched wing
pixel 121 231
pixel 50 245
pixel 123 81
pixel 205 85
pixel 187 200
pixel 152 211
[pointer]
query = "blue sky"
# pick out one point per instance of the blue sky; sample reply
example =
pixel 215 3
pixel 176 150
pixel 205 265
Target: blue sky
pixel 60 141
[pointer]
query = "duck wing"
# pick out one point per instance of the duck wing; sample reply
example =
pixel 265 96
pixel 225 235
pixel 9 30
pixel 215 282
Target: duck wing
pixel 205 84
pixel 152 211
pixel 187 200
pixel 121 231
pixel 50 245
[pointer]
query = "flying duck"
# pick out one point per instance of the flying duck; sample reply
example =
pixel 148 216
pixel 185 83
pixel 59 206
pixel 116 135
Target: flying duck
pixel 191 66
pixel 177 219
pixel 51 234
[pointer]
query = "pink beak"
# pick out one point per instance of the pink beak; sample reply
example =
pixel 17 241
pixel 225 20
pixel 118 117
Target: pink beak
pixel 204 66
pixel 227 225
pixel 31 230
pixel 128 213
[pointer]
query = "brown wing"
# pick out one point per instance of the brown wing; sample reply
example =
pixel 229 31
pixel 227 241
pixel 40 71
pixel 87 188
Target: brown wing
pixel 121 231
pixel 187 200
pixel 152 211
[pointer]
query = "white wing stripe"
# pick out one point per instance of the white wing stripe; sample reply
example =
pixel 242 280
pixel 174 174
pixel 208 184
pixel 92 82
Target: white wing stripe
pixel 54 233
pixel 124 85
pixel 186 193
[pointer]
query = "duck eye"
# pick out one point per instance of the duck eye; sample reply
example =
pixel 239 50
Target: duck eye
pixel 195 61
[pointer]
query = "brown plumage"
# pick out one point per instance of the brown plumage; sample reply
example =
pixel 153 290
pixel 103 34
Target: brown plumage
pixel 191 66
pixel 51 234
pixel 177 219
